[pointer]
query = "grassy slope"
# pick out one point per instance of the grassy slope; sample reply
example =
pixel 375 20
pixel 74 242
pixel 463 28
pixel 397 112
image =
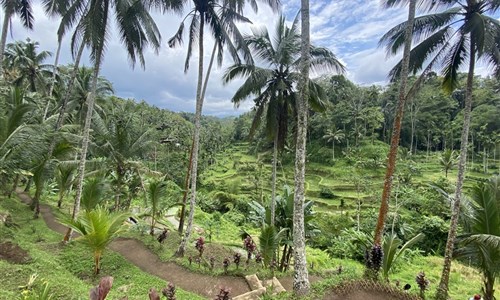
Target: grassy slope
pixel 68 269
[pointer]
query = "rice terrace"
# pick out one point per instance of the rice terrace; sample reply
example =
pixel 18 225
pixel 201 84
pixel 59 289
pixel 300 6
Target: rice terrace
pixel 233 149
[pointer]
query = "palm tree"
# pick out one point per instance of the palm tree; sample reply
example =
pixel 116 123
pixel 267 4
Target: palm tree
pixel 137 30
pixel 64 177
pixel 274 85
pixel 334 135
pixel 26 64
pixel 23 9
pixel 451 38
pixel 447 160
pixel 220 16
pixel 480 245
pixel 97 228
pixel 120 144
pixel 407 32
pixel 301 283
pixel 156 191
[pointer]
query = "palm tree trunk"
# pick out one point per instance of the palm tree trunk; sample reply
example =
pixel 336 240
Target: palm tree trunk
pixel 3 38
pixel 333 151
pixel 67 94
pixel 54 75
pixel 186 191
pixel 273 180
pixel 85 141
pixel 196 142
pixel 184 198
pixel 301 284
pixel 442 291
pixel 391 164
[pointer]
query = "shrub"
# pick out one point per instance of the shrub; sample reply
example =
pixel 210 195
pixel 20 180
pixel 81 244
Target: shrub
pixel 326 193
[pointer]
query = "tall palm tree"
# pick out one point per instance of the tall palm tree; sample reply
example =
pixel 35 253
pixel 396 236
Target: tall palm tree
pixel 23 9
pixel 27 65
pixel 407 32
pixel 463 32
pixel 220 16
pixel 137 30
pixel 301 283
pixel 332 136
pixel 121 145
pixel 274 83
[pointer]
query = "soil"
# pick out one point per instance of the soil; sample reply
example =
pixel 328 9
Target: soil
pixel 361 295
pixel 13 253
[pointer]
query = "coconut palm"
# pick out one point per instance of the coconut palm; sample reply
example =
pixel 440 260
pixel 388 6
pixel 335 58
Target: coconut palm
pixel 407 32
pixel 97 228
pixel 301 283
pixel 26 64
pixel 332 136
pixel 65 174
pixel 273 85
pixel 23 9
pixel 220 16
pixel 480 245
pixel 156 192
pixel 137 30
pixel 122 146
pixel 463 32
pixel 447 160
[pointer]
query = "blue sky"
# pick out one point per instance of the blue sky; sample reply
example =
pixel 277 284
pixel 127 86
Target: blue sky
pixel 350 28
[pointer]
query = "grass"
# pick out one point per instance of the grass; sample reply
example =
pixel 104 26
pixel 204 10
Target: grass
pixel 67 269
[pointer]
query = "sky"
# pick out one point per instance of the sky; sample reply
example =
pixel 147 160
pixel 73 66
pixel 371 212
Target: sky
pixel 349 28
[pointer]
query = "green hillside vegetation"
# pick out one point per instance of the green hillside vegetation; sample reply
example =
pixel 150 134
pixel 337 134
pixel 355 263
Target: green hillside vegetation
pixel 184 206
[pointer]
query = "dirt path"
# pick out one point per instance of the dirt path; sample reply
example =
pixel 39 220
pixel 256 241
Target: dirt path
pixel 135 252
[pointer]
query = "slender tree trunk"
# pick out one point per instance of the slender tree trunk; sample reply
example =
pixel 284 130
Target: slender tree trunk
pixel 186 191
pixel 67 94
pixel 54 75
pixel 301 284
pixel 392 156
pixel 85 142
pixel 14 185
pixel 442 291
pixel 184 198
pixel 196 142
pixel 3 38
pixel 273 180
pixel 333 151
pixel 489 286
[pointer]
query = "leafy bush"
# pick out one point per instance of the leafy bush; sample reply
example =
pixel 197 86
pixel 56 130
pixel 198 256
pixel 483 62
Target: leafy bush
pixel 326 193
pixel 235 217
pixel 436 233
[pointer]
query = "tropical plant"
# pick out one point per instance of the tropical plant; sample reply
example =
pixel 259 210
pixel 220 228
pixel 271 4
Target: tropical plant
pixel 137 30
pixel 406 32
pixel 480 245
pixel 463 33
pixel 393 249
pixel 97 228
pixel 332 136
pixel 274 84
pixel 95 190
pixel 156 192
pixel 23 9
pixel 65 174
pixel 220 16
pixel 269 240
pixel 447 160
pixel 26 65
